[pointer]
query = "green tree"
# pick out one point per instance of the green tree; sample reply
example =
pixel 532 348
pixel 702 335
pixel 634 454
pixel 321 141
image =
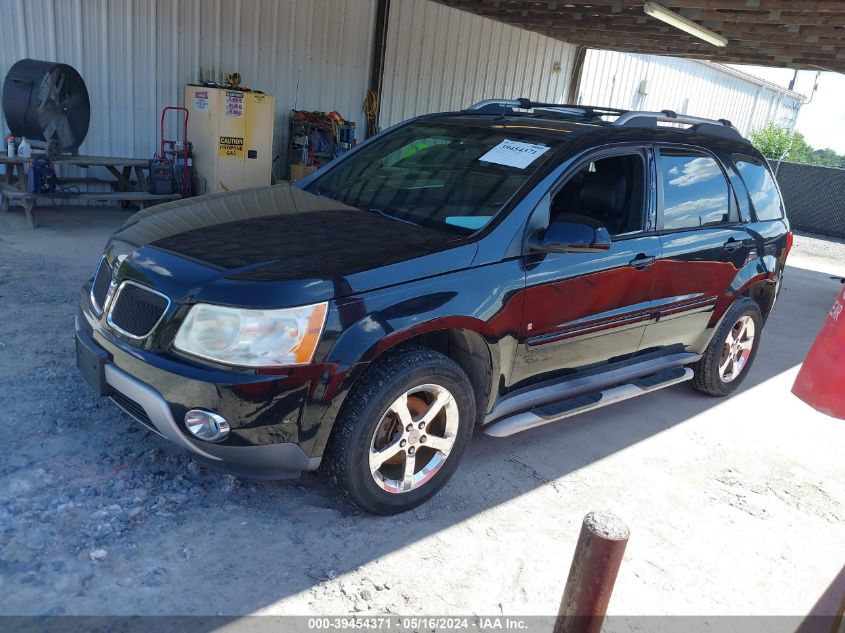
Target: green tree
pixel 775 141
pixel 800 151
pixel 827 157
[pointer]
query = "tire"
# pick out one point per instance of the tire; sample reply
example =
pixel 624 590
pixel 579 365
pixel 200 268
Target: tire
pixel 372 428
pixel 725 363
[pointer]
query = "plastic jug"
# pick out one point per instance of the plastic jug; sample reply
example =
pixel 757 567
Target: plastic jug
pixel 24 149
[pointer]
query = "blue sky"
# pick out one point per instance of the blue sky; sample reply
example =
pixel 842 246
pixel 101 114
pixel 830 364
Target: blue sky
pixel 822 121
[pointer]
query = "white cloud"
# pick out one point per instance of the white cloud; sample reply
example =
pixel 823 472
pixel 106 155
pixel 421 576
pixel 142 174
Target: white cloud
pixel 696 170
pixel 760 196
pixel 711 204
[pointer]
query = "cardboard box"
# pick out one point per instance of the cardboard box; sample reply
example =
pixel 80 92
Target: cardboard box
pixel 298 172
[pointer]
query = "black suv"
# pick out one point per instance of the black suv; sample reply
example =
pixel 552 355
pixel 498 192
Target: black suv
pixel 506 266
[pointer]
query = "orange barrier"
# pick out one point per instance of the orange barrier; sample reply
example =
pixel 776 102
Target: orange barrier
pixel 821 381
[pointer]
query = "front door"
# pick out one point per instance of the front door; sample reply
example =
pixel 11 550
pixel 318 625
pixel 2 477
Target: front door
pixel 584 309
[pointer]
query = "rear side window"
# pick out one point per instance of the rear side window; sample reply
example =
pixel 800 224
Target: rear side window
pixel 761 187
pixel 694 191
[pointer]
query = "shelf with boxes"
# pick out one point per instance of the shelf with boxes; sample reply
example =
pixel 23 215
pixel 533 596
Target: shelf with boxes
pixel 316 138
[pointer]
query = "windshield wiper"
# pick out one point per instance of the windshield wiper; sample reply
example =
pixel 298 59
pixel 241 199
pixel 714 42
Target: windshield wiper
pixel 379 211
pixel 385 214
pixel 329 194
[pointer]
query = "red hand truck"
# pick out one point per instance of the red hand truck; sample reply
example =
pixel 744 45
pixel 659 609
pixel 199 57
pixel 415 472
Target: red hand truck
pixel 185 189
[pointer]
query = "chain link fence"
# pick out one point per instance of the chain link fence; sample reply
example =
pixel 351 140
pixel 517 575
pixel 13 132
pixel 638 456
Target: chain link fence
pixel 814 197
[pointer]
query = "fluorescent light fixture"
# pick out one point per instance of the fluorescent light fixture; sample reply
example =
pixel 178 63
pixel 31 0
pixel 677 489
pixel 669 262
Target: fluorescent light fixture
pixel 688 26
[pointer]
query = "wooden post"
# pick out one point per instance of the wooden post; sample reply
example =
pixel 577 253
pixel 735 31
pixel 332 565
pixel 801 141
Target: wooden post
pixel 598 555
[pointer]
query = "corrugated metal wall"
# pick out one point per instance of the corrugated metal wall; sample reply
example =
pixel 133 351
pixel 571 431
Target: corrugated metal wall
pixel 439 58
pixel 684 85
pixel 137 55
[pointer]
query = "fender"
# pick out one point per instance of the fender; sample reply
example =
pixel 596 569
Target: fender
pixel 760 270
pixel 374 323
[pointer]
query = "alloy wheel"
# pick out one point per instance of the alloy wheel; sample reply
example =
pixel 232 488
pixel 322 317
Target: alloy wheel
pixel 737 349
pixel 414 438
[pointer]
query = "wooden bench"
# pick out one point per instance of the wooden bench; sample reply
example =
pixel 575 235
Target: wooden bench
pixel 28 200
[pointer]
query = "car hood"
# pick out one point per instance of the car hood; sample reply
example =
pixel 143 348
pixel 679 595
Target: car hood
pixel 278 246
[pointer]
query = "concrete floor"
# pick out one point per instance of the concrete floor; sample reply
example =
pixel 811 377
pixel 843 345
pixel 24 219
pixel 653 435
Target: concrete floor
pixel 736 506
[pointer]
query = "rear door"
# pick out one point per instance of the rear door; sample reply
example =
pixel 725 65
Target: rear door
pixel 703 246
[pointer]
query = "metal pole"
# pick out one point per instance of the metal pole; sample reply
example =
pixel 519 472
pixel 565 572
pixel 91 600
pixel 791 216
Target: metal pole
pixel 595 565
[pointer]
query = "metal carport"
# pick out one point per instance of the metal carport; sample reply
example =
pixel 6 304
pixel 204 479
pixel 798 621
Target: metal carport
pixel 782 33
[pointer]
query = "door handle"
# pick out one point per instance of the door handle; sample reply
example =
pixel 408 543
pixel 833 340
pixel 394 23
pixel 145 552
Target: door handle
pixel 641 262
pixel 731 245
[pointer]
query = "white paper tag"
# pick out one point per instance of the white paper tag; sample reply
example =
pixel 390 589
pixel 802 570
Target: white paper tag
pixel 515 153
pixel 201 101
pixel 234 103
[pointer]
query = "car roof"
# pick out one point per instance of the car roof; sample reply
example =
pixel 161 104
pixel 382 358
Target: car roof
pixel 598 131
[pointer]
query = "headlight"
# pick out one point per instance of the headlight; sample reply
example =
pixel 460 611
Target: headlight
pixel 252 338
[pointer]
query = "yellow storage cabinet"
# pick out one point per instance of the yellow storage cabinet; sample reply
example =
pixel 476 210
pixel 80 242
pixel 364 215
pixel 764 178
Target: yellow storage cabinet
pixel 232 136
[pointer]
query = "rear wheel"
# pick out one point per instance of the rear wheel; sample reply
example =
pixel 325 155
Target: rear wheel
pixel 401 432
pixel 728 358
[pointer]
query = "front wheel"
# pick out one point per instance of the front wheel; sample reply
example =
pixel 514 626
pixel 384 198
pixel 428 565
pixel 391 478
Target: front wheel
pixel 401 432
pixel 729 356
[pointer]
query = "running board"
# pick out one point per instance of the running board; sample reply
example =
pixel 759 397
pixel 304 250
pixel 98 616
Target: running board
pixel 555 411
pixel 559 391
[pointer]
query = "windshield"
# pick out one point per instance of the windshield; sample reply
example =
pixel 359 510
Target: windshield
pixel 443 176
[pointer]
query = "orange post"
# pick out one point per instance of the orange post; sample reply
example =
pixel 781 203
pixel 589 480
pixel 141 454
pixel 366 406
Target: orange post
pixel 821 381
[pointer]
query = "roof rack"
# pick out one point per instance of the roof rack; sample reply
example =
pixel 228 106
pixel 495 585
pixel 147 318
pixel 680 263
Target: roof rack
pixel 710 127
pixel 624 118
pixel 568 110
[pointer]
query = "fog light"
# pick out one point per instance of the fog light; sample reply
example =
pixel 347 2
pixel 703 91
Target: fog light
pixel 205 425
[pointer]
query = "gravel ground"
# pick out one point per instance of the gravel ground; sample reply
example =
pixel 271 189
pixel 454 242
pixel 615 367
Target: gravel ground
pixel 733 504
pixel 819 247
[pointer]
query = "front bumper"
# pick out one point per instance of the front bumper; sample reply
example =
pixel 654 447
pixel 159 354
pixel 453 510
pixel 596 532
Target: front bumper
pixel 148 406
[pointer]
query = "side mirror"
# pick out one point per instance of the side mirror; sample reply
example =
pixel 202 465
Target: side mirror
pixel 571 237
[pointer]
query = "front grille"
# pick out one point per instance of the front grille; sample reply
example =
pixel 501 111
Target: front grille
pixel 133 409
pixel 100 288
pixel 136 310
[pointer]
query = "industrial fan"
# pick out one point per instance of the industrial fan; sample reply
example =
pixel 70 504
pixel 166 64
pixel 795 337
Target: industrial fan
pixel 47 102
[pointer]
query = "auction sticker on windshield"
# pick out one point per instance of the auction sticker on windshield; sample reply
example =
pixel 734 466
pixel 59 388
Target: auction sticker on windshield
pixel 515 153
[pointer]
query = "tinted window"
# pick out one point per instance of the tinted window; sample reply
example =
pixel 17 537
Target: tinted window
pixel 446 176
pixel 695 192
pixel 761 187
pixel 609 190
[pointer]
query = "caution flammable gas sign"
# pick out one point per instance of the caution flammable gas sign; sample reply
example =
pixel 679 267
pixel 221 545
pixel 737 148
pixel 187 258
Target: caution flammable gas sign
pixel 232 146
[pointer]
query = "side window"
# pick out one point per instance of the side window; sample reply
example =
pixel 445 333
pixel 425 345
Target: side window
pixel 609 190
pixel 761 187
pixel 694 191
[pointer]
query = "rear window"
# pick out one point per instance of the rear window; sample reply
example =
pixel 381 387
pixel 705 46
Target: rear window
pixel 444 176
pixel 761 187
pixel 694 190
